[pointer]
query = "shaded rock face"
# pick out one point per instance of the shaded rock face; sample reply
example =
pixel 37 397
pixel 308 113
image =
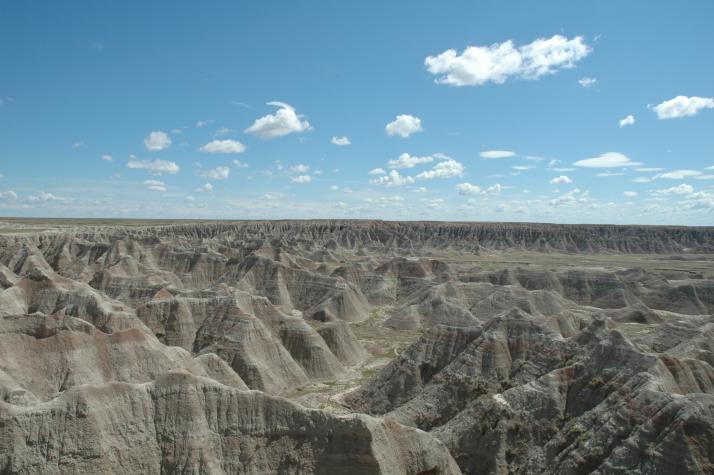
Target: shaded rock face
pixel 511 396
pixel 180 423
pixel 169 348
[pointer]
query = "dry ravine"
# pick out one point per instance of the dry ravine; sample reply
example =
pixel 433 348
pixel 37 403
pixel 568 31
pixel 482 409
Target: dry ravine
pixel 299 347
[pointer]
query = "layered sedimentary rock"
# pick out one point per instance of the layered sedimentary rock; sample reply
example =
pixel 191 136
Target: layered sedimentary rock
pixel 482 348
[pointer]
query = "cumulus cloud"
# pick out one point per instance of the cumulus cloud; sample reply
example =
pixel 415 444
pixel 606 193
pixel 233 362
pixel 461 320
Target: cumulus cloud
pixel 630 194
pixel 301 179
pixel 285 121
pixel 157 141
pixel 683 189
pixel 407 161
pixel 561 180
pixel 218 173
pixel 679 174
pixel 154 167
pixel 239 164
pixel 377 171
pixel 8 195
pixel 341 141
pixel 44 197
pixel 393 178
pixel 300 168
pixel 205 188
pixel 107 158
pixel 683 106
pixel 155 185
pixel 404 125
pixel 496 154
pixel 446 169
pixel 223 146
pixel 468 189
pixel 495 63
pixel 607 160
pixel 587 82
pixel 629 120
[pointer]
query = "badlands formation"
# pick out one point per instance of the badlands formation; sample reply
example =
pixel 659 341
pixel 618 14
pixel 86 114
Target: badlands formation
pixel 355 347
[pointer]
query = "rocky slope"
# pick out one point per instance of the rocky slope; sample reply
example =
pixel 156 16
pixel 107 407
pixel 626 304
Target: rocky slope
pixel 517 348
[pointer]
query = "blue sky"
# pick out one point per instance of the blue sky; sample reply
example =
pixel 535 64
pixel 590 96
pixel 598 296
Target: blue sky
pixel 599 112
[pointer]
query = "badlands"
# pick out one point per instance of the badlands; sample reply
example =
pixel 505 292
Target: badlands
pixel 355 347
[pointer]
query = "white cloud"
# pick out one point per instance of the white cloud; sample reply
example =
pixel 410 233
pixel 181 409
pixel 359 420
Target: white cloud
pixel 534 158
pixel 607 160
pixel 468 189
pixel 8 195
pixel 202 123
pixel 377 171
pixel 679 174
pixel 649 169
pixel 446 169
pixel 44 197
pixel 393 179
pixel 407 161
pixel 239 164
pixel 300 168
pixel 157 141
pixel 641 179
pixel 495 189
pixel 223 146
pixel 682 189
pixel 478 65
pixel 496 154
pixel 189 199
pixel 630 194
pixel 560 180
pixel 683 106
pixel 522 168
pixel 155 185
pixel 342 141
pixel 285 121
pixel 704 177
pixel 301 179
pixel 404 125
pixel 587 82
pixel 79 145
pixel 107 158
pixel 629 120
pixel 608 174
pixel 218 173
pixel 206 188
pixel 154 167
pixel 334 188
pixel 421 189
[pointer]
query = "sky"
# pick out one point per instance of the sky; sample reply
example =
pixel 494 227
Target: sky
pixel 558 111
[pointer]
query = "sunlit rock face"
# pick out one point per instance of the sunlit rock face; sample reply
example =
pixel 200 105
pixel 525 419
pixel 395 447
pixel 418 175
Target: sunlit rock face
pixel 406 348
